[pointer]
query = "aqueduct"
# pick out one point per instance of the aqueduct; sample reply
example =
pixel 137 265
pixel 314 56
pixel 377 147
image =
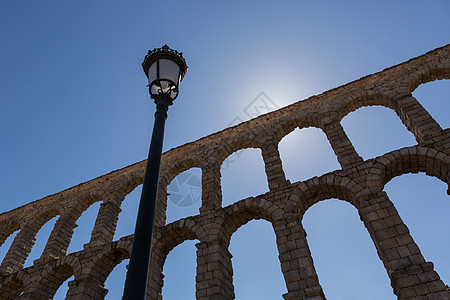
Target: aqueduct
pixel 359 182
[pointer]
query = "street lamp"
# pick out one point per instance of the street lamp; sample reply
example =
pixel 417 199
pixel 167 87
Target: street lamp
pixel 165 68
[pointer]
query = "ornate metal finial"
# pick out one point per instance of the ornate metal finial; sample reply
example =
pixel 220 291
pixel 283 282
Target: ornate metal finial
pixel 172 54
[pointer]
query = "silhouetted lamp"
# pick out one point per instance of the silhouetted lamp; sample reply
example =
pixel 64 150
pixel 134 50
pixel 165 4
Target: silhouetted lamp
pixel 165 68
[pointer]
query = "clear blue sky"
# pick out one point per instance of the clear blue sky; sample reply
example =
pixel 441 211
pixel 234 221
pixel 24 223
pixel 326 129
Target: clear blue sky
pixel 74 106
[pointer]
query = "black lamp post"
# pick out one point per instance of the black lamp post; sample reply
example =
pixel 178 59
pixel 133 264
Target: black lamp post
pixel 165 68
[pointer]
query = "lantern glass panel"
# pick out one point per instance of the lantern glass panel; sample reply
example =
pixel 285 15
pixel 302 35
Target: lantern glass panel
pixel 170 70
pixel 152 75
pixel 166 80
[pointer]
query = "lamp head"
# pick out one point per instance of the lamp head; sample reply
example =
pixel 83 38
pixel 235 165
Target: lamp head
pixel 165 68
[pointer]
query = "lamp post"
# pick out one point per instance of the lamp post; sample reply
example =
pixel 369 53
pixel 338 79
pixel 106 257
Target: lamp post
pixel 165 68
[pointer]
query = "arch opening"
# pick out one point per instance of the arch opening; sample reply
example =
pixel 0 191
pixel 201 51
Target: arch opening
pixel 115 282
pixel 54 283
pixel 108 269
pixel 180 271
pixel 184 195
pixel 344 255
pixel 4 248
pixel 85 225
pixel 41 240
pixel 372 137
pixel 423 204
pixel 433 96
pixel 243 175
pixel 306 153
pixel 256 268
pixel 127 217
pixel 61 292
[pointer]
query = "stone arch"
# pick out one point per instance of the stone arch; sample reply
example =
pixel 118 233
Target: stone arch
pixel 296 263
pixel 24 241
pixel 228 146
pixel 52 277
pixel 343 188
pixel 173 234
pixel 244 211
pixel 62 232
pixel 89 282
pixel 37 223
pixel 106 222
pixel 103 263
pixel 285 127
pixel 424 75
pixel 325 187
pixel 407 108
pixel 403 104
pixel 259 169
pixel 214 268
pixel 363 99
pixel 341 245
pixel 408 160
pixel 65 263
pixel 168 173
pixel 171 170
pixel 341 147
pixel 82 203
pixel 212 171
pixel 125 186
pixel 110 208
pixel 79 207
pixel 7 230
pixel 165 239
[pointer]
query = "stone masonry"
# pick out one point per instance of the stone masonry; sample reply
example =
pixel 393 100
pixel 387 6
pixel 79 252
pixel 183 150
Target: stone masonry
pixel 359 182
